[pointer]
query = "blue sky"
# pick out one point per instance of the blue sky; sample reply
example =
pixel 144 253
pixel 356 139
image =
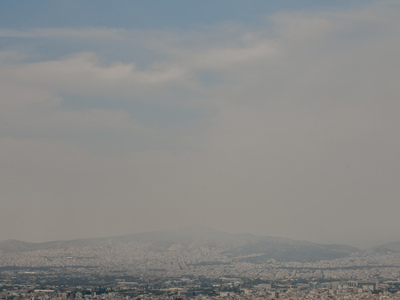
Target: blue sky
pixel 269 117
pixel 144 14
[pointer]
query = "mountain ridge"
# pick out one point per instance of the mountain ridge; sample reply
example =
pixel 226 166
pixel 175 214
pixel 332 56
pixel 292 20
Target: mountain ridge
pixel 195 237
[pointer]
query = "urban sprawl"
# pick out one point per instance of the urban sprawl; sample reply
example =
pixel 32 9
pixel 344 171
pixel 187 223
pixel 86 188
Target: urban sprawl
pixel 118 272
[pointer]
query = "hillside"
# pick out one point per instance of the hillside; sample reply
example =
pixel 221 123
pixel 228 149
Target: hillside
pixel 250 247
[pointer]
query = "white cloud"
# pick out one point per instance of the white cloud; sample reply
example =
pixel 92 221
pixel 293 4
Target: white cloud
pixel 84 73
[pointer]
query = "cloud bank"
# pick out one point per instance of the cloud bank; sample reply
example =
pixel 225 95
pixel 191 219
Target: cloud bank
pixel 289 128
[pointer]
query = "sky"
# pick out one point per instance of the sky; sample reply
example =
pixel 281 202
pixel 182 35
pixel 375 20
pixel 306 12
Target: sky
pixel 278 118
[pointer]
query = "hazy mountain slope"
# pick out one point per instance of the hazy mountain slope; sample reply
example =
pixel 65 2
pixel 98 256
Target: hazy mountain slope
pixel 19 246
pixel 392 247
pixel 235 246
pixel 16 246
pixel 188 237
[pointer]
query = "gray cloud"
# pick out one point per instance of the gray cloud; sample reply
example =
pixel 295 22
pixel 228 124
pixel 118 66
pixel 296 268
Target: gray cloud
pixel 299 137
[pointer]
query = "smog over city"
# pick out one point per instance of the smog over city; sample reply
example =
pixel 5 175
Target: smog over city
pixel 222 148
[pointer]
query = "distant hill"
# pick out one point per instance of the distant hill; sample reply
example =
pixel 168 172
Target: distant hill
pixel 248 247
pixel 19 246
pixel 388 247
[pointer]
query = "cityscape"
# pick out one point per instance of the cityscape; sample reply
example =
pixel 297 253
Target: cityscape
pixel 200 267
pixel 199 149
